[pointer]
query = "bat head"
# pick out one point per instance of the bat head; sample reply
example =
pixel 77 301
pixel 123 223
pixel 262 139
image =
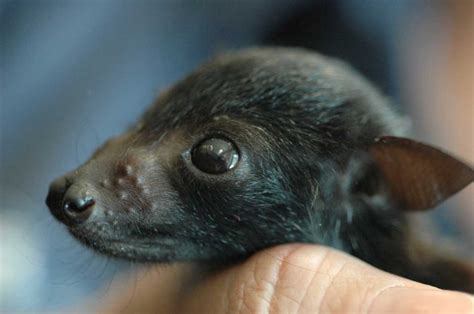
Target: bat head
pixel 255 148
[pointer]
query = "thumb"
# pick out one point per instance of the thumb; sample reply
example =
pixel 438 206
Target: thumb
pixel 302 278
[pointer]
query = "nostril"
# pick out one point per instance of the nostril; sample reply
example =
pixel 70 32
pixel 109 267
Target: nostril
pixel 54 200
pixel 70 202
pixel 78 205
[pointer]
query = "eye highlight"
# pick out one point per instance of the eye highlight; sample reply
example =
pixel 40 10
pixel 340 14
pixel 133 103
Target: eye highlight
pixel 215 155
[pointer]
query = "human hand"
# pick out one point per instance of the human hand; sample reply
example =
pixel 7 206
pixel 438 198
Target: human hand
pixel 296 278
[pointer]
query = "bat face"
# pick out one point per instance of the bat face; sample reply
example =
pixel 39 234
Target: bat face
pixel 255 148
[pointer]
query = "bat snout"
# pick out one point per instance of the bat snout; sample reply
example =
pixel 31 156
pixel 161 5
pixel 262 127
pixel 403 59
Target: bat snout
pixel 72 204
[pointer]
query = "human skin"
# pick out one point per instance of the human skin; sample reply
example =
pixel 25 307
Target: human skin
pixel 295 278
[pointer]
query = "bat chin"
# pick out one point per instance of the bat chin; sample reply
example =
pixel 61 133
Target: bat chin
pixel 143 252
pixel 156 250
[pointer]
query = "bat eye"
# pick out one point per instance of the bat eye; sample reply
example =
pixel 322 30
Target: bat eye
pixel 215 155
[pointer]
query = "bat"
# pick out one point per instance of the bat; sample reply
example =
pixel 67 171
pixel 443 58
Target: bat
pixel 260 147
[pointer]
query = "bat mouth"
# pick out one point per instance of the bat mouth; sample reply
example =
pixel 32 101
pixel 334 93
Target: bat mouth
pixel 158 250
pixel 161 247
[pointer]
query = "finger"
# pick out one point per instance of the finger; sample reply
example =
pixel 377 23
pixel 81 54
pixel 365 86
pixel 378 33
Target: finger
pixel 155 289
pixel 310 279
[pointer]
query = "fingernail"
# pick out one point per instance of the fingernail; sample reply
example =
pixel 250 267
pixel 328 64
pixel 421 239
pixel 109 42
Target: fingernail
pixel 415 300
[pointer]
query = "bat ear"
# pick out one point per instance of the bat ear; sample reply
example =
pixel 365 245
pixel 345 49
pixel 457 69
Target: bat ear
pixel 419 176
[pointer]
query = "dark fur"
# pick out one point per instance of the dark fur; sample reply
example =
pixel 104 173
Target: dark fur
pixel 303 124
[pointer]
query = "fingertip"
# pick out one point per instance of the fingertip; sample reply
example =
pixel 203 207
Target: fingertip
pixel 422 300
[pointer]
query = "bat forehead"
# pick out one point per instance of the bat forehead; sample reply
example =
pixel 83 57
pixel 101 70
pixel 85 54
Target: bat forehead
pixel 252 84
pixel 288 91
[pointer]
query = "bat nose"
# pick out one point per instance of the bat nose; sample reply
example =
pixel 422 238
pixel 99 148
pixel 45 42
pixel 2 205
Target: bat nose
pixel 71 204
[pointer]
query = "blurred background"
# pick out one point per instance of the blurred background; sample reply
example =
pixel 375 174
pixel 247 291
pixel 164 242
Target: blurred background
pixel 73 73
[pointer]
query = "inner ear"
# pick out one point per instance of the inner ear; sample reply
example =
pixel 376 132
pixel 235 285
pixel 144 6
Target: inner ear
pixel 419 176
pixel 363 176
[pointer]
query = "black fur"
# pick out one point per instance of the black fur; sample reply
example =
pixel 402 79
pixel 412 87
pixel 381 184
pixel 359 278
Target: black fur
pixel 303 124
